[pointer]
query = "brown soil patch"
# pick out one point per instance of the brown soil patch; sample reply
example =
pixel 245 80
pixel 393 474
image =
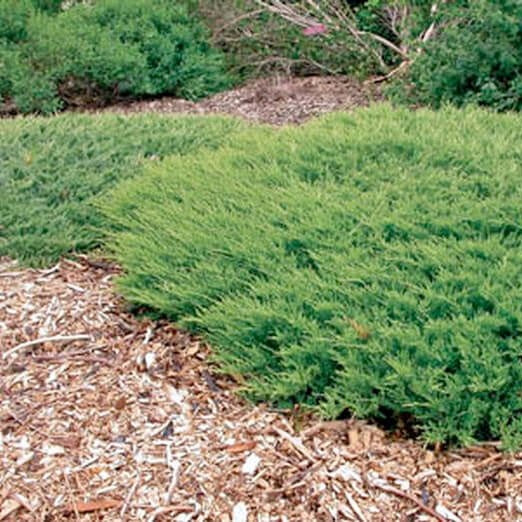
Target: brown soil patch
pixel 125 421
pixel 275 100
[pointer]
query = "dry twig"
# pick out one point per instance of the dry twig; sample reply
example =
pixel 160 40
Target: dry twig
pixel 415 500
pixel 61 339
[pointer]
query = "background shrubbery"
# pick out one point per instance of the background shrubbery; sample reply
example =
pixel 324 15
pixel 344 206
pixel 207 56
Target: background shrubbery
pixel 369 264
pixel 476 59
pixel 458 52
pixel 258 42
pixel 92 54
pixel 97 52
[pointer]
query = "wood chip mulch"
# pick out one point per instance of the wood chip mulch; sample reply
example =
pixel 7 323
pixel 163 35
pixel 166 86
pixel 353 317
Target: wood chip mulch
pixel 107 417
pixel 275 100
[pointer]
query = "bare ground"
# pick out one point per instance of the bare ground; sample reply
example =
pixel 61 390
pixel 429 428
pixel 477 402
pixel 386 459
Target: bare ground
pixel 275 100
pixel 128 422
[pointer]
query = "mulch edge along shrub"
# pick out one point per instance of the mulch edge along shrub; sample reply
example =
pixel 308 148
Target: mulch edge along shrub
pixel 365 264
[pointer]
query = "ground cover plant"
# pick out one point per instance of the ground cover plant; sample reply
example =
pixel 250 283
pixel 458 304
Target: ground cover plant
pixel 101 52
pixel 51 169
pixel 364 263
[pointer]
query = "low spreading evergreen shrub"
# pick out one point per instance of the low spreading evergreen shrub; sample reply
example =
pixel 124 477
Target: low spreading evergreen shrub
pixel 51 169
pixel 105 51
pixel 368 264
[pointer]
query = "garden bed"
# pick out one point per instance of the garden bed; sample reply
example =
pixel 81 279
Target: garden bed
pixel 275 100
pixel 88 431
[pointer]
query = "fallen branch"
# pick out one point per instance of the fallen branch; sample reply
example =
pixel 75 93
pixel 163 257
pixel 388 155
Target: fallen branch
pixel 246 16
pixel 72 357
pixel 56 339
pixel 415 500
pixel 130 494
pixel 380 79
pixel 11 274
pixel 355 507
pixel 296 443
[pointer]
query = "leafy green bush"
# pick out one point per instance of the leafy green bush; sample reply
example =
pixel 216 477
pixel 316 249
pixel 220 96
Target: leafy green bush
pixel 368 263
pixel 51 169
pixel 14 16
pixel 93 54
pixel 476 59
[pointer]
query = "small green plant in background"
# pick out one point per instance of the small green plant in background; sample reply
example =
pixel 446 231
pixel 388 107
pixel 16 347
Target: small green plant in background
pixel 52 169
pixel 476 59
pixel 368 264
pixel 50 59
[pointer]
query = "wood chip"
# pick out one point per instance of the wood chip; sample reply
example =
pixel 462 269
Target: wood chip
pixel 9 507
pixel 240 447
pixel 94 505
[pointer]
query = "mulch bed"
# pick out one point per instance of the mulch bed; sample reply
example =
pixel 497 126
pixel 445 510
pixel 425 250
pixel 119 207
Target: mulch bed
pixel 275 100
pixel 118 418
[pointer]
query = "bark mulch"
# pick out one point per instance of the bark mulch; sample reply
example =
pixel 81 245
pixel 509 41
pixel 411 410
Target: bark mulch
pixel 104 416
pixel 275 100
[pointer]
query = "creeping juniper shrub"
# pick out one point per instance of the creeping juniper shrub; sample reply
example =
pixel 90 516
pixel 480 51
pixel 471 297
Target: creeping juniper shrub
pixel 52 169
pixel 367 263
pixel 477 59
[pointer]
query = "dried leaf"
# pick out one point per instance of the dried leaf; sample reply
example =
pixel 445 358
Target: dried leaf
pixel 68 441
pixel 362 332
pixel 120 403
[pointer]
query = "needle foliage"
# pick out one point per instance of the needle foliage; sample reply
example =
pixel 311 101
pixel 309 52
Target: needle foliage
pixel 365 264
pixel 52 168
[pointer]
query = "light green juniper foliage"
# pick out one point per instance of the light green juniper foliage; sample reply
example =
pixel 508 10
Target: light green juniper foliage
pixel 368 263
pixel 50 169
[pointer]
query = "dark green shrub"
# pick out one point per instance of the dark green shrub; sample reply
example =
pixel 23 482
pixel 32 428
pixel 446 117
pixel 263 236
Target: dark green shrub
pixel 368 263
pixel 476 59
pixel 51 6
pixel 14 16
pixel 94 54
pixel 51 169
pixel 174 45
